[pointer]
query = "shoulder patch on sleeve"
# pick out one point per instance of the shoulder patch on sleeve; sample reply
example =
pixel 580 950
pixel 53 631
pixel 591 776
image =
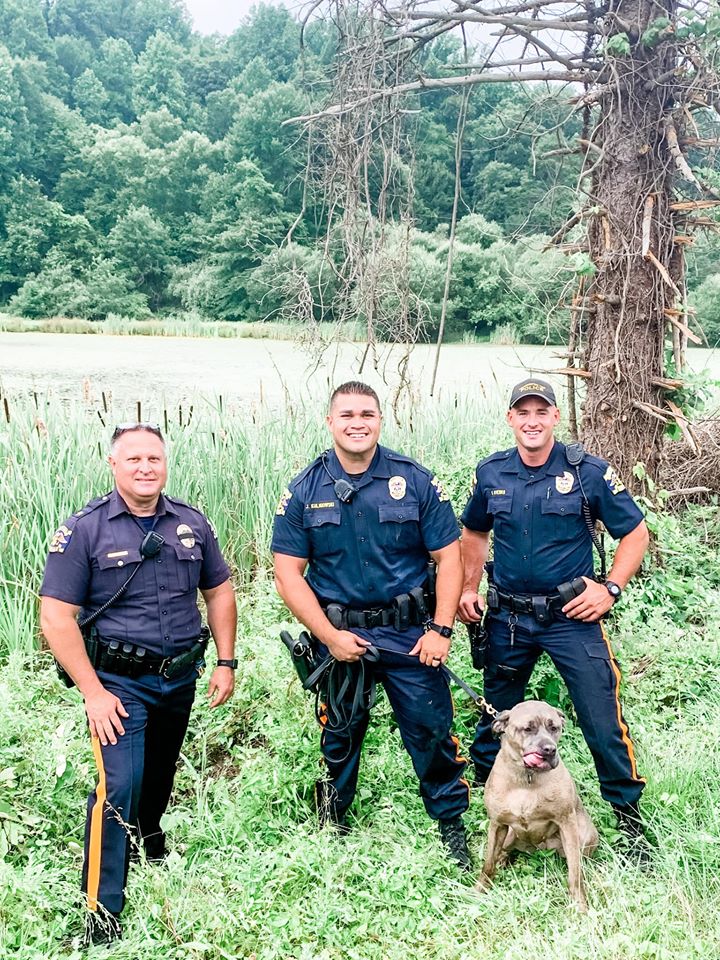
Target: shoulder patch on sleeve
pixel 613 481
pixel 440 490
pixel 60 539
pixel 285 498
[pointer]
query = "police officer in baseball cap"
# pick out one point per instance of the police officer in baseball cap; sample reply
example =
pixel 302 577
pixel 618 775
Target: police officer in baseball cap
pixel 541 501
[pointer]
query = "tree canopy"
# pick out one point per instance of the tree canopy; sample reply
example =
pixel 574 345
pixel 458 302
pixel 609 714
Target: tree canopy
pixel 145 168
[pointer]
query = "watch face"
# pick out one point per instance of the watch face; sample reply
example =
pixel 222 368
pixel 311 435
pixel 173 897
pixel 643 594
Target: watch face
pixel 613 589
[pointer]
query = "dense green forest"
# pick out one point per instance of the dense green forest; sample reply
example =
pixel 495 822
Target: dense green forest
pixel 145 169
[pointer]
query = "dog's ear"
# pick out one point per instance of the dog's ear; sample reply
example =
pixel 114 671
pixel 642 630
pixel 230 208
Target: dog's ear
pixel 500 723
pixel 561 717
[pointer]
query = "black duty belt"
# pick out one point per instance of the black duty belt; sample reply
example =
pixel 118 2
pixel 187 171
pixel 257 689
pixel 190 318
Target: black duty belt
pixel 542 608
pixel 399 615
pixel 525 604
pixel 132 660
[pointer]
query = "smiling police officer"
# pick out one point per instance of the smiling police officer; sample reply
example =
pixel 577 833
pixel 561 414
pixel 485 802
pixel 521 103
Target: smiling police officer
pixel 130 564
pixel 541 500
pixel 364 521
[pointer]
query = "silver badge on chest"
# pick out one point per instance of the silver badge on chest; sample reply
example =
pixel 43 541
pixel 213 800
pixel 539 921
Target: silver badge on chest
pixel 397 487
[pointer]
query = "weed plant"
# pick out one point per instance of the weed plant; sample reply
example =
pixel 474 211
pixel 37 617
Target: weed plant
pixel 251 875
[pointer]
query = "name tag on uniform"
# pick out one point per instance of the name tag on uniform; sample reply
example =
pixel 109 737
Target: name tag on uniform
pixel 118 553
pixel 497 493
pixel 323 505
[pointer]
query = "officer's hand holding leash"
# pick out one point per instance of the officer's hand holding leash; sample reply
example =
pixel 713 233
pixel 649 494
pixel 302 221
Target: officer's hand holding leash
pixel 344 645
pixel 431 649
pixel 593 603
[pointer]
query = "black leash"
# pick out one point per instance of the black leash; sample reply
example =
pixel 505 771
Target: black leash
pixel 335 678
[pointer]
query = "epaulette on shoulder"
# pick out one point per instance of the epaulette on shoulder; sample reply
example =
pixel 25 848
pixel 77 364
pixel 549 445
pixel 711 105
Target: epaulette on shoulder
pixel 403 458
pixel 303 473
pixel 183 503
pixel 596 462
pixel 89 507
pixel 499 455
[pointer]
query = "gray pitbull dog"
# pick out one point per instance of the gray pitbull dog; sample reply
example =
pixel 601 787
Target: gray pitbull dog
pixel 531 798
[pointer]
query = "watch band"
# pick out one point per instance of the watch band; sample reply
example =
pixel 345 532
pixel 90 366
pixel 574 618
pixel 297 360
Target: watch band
pixel 446 632
pixel 227 663
pixel 614 589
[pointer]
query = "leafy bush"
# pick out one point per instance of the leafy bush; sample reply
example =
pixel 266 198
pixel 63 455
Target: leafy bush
pixel 58 290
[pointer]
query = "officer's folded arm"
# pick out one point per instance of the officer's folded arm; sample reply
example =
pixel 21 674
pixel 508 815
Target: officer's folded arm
pixel 58 621
pixel 432 648
pixel 595 600
pixel 475 546
pixel 297 596
pixel 222 619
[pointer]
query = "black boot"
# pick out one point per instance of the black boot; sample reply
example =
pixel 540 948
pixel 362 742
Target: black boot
pixel 329 813
pixel 155 849
pixel 452 834
pixel 634 844
pixel 102 927
pixel 154 845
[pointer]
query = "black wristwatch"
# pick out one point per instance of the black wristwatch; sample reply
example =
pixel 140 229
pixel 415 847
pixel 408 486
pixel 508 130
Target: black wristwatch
pixel 446 632
pixel 227 663
pixel 613 589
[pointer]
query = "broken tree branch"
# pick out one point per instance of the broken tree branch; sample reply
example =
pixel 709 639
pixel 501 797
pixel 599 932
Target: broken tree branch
pixel 437 83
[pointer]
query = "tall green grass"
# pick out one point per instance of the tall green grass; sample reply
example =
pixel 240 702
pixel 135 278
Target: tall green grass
pixel 233 463
pixel 251 875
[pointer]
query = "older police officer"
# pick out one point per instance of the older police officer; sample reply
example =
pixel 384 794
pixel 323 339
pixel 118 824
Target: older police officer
pixel 136 668
pixel 364 521
pixel 541 507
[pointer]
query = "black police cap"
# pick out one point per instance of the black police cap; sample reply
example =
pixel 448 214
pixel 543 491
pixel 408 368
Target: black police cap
pixel 532 388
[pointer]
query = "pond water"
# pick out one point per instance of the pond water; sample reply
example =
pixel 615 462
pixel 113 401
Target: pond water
pixel 156 371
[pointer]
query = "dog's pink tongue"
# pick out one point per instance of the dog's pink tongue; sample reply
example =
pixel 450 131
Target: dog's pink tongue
pixel 533 760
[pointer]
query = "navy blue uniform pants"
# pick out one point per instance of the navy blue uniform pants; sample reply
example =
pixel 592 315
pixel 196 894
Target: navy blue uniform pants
pixel 585 661
pixel 420 699
pixel 135 778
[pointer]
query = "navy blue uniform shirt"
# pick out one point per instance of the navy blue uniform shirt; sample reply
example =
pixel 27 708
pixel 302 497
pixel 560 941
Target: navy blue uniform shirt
pixel 540 538
pixel 364 553
pixel 94 552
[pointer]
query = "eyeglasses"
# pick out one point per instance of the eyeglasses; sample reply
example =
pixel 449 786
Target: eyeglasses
pixel 122 428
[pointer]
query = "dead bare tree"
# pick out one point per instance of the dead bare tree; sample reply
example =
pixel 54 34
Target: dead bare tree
pixel 644 75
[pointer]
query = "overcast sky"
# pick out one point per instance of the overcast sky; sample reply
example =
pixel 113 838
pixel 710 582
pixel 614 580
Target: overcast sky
pixel 221 16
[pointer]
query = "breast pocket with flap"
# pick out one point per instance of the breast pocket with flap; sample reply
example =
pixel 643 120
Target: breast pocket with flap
pixel 323 525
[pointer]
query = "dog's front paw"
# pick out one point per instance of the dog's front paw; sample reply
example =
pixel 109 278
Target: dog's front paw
pixel 484 882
